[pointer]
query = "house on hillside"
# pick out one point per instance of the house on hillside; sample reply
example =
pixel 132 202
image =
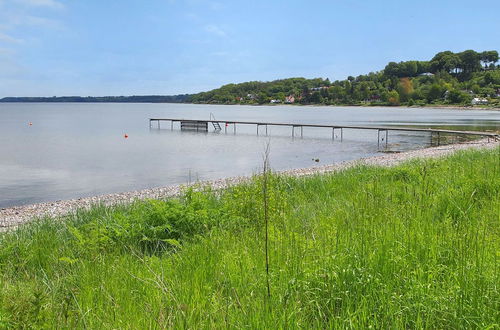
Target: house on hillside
pixel 479 100
pixel 317 89
pixel 290 99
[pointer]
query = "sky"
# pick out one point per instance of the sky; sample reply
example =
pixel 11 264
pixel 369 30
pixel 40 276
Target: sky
pixel 165 47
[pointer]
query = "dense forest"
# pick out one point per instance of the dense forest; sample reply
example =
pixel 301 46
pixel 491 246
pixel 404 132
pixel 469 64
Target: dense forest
pixel 464 78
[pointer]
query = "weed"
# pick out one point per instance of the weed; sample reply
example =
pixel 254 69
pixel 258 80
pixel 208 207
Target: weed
pixel 415 246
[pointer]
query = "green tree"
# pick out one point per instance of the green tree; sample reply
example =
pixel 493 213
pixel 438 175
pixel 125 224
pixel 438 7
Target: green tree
pixel 393 97
pixel 279 96
pixel 392 69
pixel 458 97
pixel 315 97
pixel 445 61
pixel 492 77
pixel 408 69
pixel 336 93
pixel 423 66
pixel 262 98
pixel 470 61
pixel 476 89
pixel 435 92
pixel 489 57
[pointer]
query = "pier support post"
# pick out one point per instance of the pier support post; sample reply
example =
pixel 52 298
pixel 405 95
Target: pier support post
pixel 386 137
pixel 341 133
pixel 301 131
pixel 234 128
pixel 266 130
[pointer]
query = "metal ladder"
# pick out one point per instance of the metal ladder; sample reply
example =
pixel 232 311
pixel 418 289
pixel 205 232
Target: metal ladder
pixel 215 123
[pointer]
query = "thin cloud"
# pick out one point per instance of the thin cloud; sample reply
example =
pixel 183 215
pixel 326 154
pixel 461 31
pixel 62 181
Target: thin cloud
pixel 14 20
pixel 6 51
pixel 220 54
pixel 6 38
pixel 18 26
pixel 42 3
pixel 10 68
pixel 42 22
pixel 216 6
pixel 214 29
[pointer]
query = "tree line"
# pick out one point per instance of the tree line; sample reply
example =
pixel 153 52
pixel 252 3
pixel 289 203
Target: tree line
pixel 104 99
pixel 448 78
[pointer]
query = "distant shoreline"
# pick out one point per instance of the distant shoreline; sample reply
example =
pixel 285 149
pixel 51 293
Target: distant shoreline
pixel 430 106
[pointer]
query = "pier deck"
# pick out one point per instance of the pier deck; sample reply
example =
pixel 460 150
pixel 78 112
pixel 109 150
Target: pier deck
pixel 384 129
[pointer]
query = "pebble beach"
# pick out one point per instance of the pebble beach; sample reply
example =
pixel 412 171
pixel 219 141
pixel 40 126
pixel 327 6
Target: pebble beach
pixel 12 217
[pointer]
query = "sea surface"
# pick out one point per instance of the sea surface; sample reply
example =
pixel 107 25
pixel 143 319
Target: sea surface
pixel 74 150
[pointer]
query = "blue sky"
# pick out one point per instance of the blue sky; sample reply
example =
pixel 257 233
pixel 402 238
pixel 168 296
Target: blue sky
pixel 139 47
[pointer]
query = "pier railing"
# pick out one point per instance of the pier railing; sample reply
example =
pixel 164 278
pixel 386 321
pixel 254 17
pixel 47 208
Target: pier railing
pixel 382 131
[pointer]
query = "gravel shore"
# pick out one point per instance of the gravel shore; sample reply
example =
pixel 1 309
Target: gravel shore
pixel 13 216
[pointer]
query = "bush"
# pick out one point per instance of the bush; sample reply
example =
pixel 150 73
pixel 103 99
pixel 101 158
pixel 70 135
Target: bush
pixel 458 97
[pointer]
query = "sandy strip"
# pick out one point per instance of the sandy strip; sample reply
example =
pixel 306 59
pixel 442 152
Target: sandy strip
pixel 13 216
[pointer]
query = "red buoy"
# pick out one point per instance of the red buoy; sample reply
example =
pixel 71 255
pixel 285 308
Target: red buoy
pixel 30 124
pixel 125 136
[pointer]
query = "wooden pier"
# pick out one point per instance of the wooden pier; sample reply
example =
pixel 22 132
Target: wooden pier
pixel 382 131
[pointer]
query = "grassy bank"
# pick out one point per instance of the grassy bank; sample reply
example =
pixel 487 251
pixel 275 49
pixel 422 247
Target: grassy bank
pixel 406 247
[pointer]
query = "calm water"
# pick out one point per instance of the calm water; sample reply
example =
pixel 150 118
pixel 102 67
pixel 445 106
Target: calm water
pixel 76 150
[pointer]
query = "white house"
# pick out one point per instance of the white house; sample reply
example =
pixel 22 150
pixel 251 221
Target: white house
pixel 479 100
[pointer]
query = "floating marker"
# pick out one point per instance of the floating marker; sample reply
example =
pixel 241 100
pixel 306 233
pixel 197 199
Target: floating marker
pixel 31 124
pixel 125 136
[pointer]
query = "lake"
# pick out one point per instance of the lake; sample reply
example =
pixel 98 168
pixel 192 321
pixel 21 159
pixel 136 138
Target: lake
pixel 76 150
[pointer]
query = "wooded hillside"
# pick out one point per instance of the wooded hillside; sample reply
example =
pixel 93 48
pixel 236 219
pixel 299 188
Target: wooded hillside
pixel 448 78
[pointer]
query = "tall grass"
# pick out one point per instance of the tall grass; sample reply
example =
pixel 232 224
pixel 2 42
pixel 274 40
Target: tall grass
pixel 415 246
